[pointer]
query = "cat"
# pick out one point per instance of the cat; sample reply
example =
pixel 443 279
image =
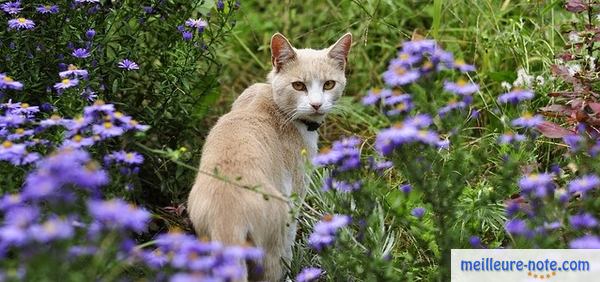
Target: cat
pixel 264 142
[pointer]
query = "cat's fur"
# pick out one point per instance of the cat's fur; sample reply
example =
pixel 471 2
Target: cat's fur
pixel 260 143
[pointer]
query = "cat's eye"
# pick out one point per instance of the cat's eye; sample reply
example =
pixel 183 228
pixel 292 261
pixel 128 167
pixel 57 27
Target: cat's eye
pixel 329 85
pixel 298 85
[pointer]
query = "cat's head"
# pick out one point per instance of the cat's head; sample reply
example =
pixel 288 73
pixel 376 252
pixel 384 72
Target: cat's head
pixel 306 82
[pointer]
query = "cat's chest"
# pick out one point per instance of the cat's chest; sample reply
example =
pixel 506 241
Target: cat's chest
pixel 310 139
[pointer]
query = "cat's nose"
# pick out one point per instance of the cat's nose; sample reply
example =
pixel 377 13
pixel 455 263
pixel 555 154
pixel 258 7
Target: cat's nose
pixel 316 106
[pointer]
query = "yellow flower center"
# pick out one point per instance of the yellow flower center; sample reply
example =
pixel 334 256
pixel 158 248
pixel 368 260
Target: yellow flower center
pixel 24 105
pixel 65 81
pixel 461 82
pixel 7 144
pixel 77 138
pixel 133 122
pixel 99 103
pixel 534 176
pixel 376 91
pixel 118 114
pixel 422 133
pixel 328 217
pixel 8 79
pixel 19 131
pixel 400 70
pixel 55 117
pixel 50 227
pixel 427 65
pixel 459 62
pixel 401 106
pixel 96 137
pixel 129 156
pixel 72 67
pixel 325 150
pixel 21 20
pixel 108 125
pixel 398 125
pixel 527 115
pixel 404 56
pixel 47 7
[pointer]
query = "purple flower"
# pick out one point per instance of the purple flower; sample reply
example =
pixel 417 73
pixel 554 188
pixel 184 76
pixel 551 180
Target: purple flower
pixel 475 242
pixel 516 227
pixel 90 33
pixel 78 141
pixel 325 230
pixel 418 212
pixel 73 71
pixel 406 59
pixel 419 46
pixel 528 120
pixel 462 66
pixel 47 9
pixel 107 129
pixel 11 152
pixel 200 24
pixel 390 138
pixel 585 242
pixel 375 95
pixel 398 76
pixel 515 96
pixel 66 83
pixel 453 104
pixel 584 183
pixel 7 82
pixel 582 221
pixel 187 36
pixel 21 23
pixel 461 87
pixel 509 138
pixel 574 142
pixel 220 5
pixel 406 188
pixel 309 274
pixel 344 154
pixel 52 229
pixel 11 8
pixel 81 53
pixel 419 121
pixel 128 65
pixel 129 158
pixel 110 214
pixel 341 185
pixel 538 183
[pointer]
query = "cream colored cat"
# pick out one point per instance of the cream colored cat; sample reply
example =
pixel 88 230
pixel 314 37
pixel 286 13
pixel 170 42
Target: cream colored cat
pixel 260 143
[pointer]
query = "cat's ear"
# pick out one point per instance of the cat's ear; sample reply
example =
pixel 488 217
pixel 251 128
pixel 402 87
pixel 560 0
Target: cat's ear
pixel 339 50
pixel 282 51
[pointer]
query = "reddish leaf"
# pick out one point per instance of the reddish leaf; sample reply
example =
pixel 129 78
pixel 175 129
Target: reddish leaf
pixel 553 130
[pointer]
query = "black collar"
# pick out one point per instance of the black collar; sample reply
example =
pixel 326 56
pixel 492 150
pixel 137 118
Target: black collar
pixel 310 125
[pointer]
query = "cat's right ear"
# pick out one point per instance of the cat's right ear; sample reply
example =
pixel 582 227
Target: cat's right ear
pixel 282 51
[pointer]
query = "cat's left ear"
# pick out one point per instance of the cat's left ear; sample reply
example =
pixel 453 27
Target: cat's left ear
pixel 339 50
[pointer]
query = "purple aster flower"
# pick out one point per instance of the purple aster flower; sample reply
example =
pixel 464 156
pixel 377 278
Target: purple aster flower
pixel 88 94
pixel 78 251
pixel 20 133
pixel 585 242
pixel 440 58
pixel 73 71
pixel 21 23
pixel 341 185
pixel 460 65
pixel 428 137
pixel 66 83
pixel 107 129
pixel 325 230
pixel 418 212
pixel 47 9
pixel 8 201
pixel 381 165
pixel 90 33
pixel 399 108
pixel 390 138
pixel 129 158
pixel 584 183
pixel 461 87
pixel 574 142
pixel 396 98
pixel 419 46
pixel 510 138
pixel 110 214
pixel 11 8
pixel 187 36
pixel 516 227
pixel 52 229
pixel 13 235
pixel 515 96
pixel 398 76
pixel 200 24
pixel 12 152
pixel 78 141
pixel 7 82
pixel 582 221
pixel 309 274
pixel 21 216
pixel 406 59
pixel 344 154
pixel 538 183
pixel 528 120
pixel 419 121
pixel 86 1
pixel 148 9
pixel 375 95
pixel 220 5
pixel 453 104
pixel 81 53
pixel 128 65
